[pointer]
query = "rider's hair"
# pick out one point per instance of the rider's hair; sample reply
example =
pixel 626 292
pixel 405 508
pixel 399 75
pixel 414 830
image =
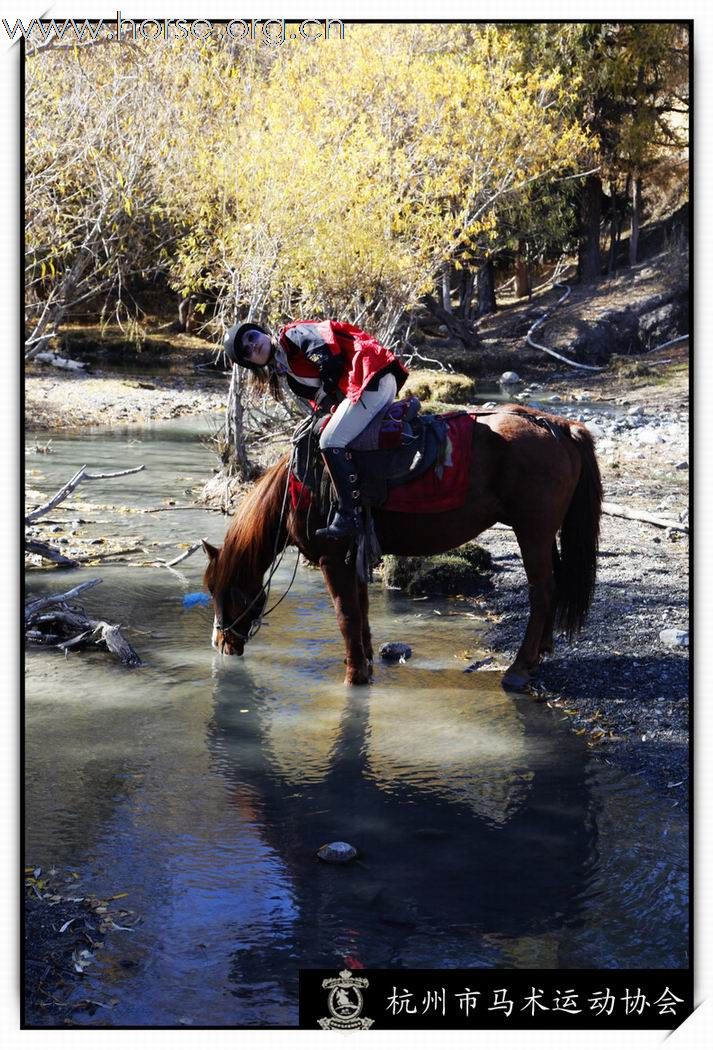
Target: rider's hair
pixel 263 379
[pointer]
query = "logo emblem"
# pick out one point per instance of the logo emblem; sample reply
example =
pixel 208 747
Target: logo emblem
pixel 345 1003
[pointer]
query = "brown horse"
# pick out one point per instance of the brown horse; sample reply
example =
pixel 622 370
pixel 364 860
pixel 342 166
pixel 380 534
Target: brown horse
pixel 533 471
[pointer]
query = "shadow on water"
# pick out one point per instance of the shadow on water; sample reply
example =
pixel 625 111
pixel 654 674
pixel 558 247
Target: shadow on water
pixel 451 861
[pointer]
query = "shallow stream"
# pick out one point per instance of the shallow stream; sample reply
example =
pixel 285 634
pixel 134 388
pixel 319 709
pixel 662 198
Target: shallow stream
pixel 488 834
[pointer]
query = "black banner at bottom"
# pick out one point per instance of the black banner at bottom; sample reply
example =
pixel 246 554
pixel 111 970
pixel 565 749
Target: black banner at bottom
pixel 352 1000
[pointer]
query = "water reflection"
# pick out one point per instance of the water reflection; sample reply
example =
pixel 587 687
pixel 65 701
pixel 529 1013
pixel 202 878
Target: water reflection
pixel 483 838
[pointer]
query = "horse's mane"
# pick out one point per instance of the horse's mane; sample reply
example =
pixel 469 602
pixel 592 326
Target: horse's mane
pixel 251 538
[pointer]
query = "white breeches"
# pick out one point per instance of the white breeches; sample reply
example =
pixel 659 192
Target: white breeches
pixel 350 419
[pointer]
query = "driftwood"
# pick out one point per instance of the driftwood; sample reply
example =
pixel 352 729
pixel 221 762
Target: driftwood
pixel 56 599
pixel 52 621
pixel 618 511
pixel 182 557
pixel 44 549
pixel 81 475
pixel 60 362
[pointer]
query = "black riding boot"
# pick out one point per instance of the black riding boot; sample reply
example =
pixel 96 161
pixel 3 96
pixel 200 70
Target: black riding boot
pixel 347 521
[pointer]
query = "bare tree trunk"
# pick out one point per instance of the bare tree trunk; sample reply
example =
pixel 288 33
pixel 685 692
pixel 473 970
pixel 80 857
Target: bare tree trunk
pixel 523 279
pixel 635 219
pixel 446 289
pixel 590 217
pixel 465 293
pixel 236 461
pixel 186 311
pixel 614 225
pixel 486 288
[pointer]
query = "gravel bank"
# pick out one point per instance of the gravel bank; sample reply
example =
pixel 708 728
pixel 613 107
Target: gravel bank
pixel 620 682
pixel 60 400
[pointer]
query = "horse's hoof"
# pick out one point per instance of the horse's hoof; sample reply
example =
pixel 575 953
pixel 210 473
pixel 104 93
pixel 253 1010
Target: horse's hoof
pixel 517 681
pixel 357 678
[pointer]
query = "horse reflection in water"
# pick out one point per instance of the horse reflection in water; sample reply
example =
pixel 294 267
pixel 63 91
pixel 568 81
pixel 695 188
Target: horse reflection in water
pixel 535 472
pixel 483 863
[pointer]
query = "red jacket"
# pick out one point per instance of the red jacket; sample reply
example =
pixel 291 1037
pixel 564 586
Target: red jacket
pixel 337 354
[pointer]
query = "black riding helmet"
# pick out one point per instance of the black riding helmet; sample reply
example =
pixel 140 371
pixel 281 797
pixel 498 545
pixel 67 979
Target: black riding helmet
pixel 232 345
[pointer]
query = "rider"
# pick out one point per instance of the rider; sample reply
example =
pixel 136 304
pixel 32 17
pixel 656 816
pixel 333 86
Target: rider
pixel 337 368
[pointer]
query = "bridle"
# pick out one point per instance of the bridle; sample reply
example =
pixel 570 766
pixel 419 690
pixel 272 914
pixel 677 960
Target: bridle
pixel 257 621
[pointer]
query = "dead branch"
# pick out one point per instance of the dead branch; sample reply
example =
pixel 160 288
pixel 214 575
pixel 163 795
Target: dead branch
pixel 181 557
pixel 70 628
pixel 57 599
pixel 549 350
pixel 45 551
pixel 116 643
pixel 618 511
pixel 81 475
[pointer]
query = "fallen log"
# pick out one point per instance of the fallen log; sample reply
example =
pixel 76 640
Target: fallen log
pixel 618 511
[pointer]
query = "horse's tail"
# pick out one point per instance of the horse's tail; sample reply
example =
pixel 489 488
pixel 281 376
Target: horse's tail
pixel 576 567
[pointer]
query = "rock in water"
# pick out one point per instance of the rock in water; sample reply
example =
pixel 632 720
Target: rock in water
pixel 394 652
pixel 509 378
pixel 336 852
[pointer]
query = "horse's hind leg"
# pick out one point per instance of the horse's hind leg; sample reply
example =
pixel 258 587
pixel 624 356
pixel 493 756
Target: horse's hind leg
pixel 537 559
pixel 343 587
pixel 547 644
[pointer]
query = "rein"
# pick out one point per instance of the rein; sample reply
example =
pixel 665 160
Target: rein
pixel 276 558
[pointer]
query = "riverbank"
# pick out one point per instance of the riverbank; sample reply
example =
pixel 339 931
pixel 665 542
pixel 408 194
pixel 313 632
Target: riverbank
pixel 56 400
pixel 624 682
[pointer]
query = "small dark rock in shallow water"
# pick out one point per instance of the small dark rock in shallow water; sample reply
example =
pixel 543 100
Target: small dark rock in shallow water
pixel 336 852
pixel 395 651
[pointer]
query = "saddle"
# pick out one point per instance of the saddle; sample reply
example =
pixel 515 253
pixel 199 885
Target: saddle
pixel 398 446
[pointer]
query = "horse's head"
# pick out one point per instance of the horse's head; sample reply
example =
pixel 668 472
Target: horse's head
pixel 236 612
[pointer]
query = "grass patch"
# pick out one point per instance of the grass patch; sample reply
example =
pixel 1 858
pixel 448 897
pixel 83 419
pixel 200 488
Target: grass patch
pixel 465 570
pixel 450 388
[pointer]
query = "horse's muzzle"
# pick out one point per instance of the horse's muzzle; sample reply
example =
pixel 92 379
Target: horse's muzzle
pixel 225 643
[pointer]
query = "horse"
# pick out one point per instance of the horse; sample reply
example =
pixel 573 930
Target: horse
pixel 533 471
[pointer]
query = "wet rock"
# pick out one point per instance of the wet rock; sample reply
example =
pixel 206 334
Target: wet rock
pixel 554 398
pixel 674 637
pixel 510 378
pixel 336 853
pixel 394 652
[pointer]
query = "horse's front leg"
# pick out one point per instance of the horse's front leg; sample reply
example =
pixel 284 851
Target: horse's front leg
pixel 344 589
pixel 365 628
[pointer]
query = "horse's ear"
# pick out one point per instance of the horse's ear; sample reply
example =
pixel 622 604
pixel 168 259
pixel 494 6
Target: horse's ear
pixel 210 550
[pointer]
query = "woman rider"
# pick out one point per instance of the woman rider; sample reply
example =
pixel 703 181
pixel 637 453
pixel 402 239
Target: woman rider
pixel 328 363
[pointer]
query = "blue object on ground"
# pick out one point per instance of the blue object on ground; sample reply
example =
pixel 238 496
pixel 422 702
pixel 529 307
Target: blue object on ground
pixel 196 598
